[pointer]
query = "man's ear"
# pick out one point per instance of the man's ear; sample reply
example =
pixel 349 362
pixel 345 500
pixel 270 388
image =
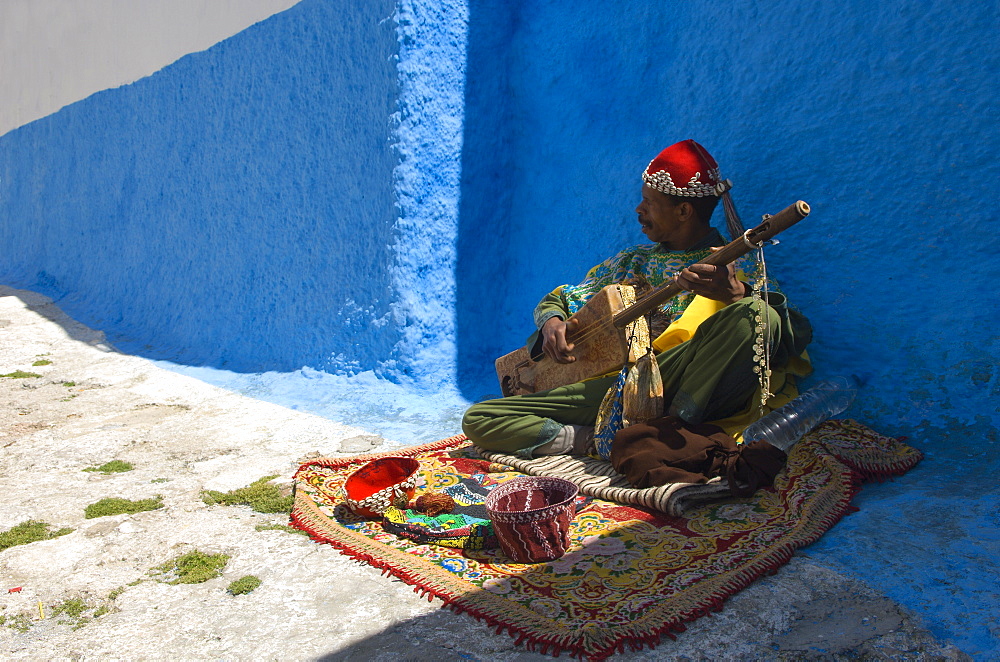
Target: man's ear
pixel 685 211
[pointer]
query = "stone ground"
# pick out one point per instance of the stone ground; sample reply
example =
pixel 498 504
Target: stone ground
pixel 92 404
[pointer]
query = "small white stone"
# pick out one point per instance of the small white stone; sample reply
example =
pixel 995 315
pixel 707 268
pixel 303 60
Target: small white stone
pixel 128 527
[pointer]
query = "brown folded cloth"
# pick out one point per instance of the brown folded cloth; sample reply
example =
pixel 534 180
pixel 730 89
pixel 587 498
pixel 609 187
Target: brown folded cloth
pixel 669 450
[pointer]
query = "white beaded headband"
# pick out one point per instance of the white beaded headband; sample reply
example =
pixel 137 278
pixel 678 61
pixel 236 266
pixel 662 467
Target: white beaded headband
pixel 663 182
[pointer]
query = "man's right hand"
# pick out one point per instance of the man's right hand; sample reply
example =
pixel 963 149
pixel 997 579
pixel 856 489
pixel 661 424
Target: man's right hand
pixel 554 340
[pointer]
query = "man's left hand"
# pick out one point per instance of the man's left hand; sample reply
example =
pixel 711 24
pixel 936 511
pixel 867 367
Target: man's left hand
pixel 712 282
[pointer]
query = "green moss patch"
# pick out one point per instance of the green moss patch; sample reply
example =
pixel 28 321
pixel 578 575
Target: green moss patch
pixel 78 613
pixel 19 622
pixel 192 568
pixel 20 374
pixel 116 506
pixel 112 467
pixel 261 495
pixel 73 608
pixel 69 384
pixel 42 362
pixel 243 585
pixel 28 532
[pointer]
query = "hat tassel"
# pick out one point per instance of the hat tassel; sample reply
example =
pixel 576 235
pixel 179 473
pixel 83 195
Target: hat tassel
pixel 733 223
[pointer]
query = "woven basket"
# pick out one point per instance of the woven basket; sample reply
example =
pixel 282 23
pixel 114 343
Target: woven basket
pixel 531 517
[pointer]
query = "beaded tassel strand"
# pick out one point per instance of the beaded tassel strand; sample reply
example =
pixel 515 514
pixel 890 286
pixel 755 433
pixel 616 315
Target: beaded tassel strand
pixel 762 332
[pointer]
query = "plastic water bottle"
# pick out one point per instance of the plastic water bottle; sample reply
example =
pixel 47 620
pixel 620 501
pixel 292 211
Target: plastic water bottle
pixel 786 425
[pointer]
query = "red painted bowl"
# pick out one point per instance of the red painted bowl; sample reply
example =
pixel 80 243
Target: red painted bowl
pixel 387 481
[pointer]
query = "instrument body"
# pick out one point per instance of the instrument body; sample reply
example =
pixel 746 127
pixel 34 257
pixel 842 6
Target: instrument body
pixel 602 352
pixel 600 329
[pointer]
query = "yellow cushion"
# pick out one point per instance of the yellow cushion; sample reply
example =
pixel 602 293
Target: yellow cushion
pixel 681 329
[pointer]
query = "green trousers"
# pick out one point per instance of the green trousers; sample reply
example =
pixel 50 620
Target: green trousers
pixel 707 378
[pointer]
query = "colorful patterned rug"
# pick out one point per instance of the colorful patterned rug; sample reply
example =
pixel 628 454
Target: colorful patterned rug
pixel 631 575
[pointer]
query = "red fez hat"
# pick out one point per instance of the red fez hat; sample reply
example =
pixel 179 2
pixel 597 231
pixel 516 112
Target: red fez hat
pixel 685 168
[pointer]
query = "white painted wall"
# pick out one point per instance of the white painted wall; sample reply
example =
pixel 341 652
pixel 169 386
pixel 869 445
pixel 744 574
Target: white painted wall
pixel 56 52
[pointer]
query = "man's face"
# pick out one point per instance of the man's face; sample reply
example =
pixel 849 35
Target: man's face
pixel 658 215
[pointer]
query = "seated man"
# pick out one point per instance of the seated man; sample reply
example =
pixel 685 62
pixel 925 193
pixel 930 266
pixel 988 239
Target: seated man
pixel 706 354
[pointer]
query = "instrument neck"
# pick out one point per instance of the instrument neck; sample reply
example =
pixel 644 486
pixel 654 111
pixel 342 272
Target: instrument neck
pixel 732 251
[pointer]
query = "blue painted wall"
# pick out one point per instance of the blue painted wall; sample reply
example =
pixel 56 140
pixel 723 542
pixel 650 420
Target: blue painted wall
pixel 236 209
pixel 882 116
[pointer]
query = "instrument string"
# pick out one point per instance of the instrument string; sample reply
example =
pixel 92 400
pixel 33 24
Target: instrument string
pixel 598 327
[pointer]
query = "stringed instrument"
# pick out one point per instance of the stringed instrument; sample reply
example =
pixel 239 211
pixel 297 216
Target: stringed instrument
pixel 598 330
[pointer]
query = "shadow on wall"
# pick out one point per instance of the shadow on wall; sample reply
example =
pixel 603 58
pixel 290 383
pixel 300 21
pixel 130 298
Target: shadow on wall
pixel 484 282
pixel 235 208
pixel 559 125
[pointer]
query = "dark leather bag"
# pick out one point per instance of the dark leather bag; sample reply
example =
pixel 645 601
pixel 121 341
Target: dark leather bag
pixel 669 450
